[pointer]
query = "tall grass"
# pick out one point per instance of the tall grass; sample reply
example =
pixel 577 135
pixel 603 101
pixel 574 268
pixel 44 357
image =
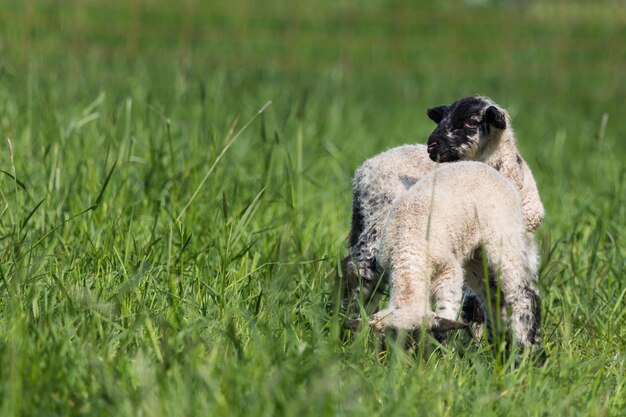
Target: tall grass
pixel 169 243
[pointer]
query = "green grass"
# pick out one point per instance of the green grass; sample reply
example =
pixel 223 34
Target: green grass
pixel 166 249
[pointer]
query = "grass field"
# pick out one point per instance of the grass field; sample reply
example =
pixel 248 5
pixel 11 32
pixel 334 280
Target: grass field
pixel 169 241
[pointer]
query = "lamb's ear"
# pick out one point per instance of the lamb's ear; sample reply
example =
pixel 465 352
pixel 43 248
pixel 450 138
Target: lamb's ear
pixel 436 113
pixel 495 117
pixel 440 324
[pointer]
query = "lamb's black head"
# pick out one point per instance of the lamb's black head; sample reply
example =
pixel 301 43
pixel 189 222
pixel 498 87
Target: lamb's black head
pixel 464 128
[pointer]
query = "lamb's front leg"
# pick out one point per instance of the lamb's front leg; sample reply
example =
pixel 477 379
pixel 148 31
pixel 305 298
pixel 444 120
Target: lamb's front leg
pixel 359 284
pixel 409 296
pixel 447 292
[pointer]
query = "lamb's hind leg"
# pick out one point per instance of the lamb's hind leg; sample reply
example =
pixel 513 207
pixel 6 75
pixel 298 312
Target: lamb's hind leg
pixel 526 318
pixel 487 290
pixel 360 279
pixel 360 274
pixel 519 287
pixel 409 302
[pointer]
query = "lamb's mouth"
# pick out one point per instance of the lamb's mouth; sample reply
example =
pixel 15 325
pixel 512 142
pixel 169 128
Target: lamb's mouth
pixel 445 156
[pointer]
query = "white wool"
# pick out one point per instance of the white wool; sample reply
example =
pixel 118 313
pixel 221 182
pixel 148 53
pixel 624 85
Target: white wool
pixel 436 228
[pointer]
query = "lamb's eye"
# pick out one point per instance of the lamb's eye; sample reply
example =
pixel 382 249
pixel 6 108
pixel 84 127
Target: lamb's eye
pixel 470 124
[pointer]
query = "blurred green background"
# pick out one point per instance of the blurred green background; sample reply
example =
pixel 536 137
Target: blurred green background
pixel 556 65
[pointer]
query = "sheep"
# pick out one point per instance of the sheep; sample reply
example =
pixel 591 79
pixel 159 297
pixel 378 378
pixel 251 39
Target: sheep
pixel 436 228
pixel 472 128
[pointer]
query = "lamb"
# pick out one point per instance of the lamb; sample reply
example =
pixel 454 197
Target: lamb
pixel 472 128
pixel 440 225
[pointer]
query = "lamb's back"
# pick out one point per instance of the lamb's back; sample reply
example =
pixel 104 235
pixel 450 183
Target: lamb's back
pixel 393 171
pixel 458 198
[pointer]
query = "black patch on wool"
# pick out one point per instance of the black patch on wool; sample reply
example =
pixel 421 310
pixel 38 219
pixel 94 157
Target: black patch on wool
pixel 519 160
pixel 533 319
pixel 357 222
pixel 383 200
pixel 472 310
pixel 407 181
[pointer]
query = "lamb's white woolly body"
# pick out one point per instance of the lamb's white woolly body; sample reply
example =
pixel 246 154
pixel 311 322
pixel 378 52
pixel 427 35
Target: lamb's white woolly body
pixel 381 179
pixel 437 227
pixel 376 185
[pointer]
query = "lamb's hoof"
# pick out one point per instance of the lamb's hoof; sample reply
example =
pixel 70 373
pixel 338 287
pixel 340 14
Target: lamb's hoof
pixel 378 321
pixel 352 324
pixel 440 324
pixel 540 356
pixel 477 330
pixel 536 355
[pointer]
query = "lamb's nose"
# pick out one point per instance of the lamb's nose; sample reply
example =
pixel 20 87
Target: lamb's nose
pixel 431 146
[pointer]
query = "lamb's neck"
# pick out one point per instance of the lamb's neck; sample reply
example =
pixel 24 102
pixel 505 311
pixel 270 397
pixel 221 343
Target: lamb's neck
pixel 503 155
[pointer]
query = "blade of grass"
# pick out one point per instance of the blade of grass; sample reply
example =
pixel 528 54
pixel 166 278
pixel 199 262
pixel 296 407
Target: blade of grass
pixel 219 157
